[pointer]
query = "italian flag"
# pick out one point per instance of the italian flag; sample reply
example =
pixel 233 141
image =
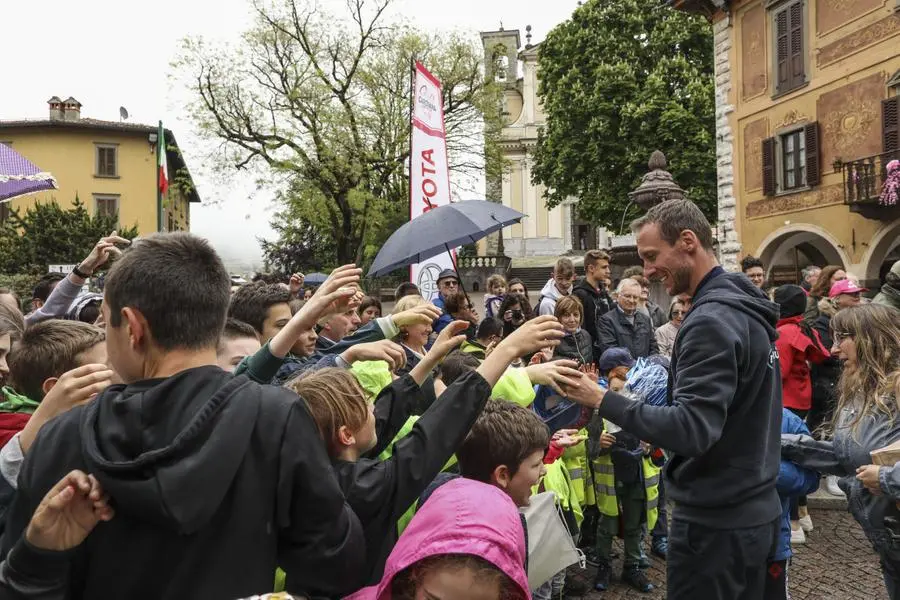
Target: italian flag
pixel 163 183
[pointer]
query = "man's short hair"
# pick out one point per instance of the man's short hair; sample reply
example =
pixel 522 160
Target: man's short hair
pixel 335 399
pixel 749 262
pixel 455 302
pixel 407 288
pixel 564 267
pixel 235 329
pixel 592 257
pixel 633 271
pixel 455 365
pixel 568 305
pixel 504 434
pixel 625 282
pixel 252 302
pixel 675 216
pixel 11 322
pixel 642 281
pixel 45 286
pixel 178 282
pixel 807 271
pixel 49 349
pixel 490 326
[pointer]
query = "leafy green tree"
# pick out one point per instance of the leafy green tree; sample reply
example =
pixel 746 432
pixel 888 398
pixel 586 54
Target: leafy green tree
pixel 48 234
pixel 618 80
pixel 320 100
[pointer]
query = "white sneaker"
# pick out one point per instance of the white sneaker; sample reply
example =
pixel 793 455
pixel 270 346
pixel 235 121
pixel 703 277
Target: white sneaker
pixel 806 524
pixel 831 486
pixel 797 536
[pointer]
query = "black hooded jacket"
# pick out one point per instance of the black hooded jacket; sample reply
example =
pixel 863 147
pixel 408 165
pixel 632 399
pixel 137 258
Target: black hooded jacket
pixel 596 303
pixel 215 480
pixel 723 417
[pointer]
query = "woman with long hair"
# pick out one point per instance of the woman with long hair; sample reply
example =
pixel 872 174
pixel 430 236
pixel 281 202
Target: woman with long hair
pixel 827 278
pixel 514 311
pixel 866 418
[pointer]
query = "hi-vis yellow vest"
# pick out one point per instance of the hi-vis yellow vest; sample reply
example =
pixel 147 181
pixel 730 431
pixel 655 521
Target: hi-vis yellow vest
pixel 579 468
pixel 558 480
pixel 605 486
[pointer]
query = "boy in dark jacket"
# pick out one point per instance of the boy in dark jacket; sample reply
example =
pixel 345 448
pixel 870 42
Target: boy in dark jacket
pixel 380 492
pixel 577 344
pixel 216 480
pixel 594 296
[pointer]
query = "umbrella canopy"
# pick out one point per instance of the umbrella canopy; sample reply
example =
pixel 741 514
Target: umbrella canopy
pixel 441 229
pixel 20 177
pixel 315 278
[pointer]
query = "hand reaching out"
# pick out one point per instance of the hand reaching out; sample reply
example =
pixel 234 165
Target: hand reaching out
pixel 591 371
pixel 338 294
pixel 385 350
pixel 557 374
pixel 68 513
pixel 607 440
pixel 449 338
pixel 585 391
pixel 868 475
pixel 102 252
pixel 424 314
pixel 542 332
pixel 296 284
pixel 566 438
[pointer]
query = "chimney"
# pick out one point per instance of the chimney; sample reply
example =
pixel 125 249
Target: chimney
pixel 72 108
pixel 56 108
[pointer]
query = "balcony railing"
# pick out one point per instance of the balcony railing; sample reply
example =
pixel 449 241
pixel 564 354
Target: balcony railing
pixel 864 178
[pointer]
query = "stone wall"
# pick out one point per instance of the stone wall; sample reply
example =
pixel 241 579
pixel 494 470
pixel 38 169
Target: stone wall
pixel 729 244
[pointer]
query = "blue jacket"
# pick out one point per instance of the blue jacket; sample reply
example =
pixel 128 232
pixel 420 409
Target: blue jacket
pixel 445 318
pixel 792 481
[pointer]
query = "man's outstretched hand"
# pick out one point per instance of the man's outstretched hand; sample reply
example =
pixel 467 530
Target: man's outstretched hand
pixel 68 513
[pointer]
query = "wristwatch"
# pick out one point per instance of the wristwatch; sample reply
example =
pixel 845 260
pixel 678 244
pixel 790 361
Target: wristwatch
pixel 78 272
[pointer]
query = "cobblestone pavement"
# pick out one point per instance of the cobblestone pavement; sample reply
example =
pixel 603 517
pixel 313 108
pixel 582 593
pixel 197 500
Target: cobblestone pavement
pixel 836 563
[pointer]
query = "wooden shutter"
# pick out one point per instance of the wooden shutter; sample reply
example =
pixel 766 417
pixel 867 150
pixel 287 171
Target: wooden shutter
pixel 890 124
pixel 797 68
pixel 782 48
pixel 813 168
pixel 768 166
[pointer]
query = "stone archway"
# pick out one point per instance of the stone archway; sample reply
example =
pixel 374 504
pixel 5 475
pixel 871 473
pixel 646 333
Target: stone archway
pixel 790 248
pixel 883 244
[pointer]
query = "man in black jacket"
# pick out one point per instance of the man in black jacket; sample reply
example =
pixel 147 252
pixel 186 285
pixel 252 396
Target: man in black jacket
pixel 723 416
pixel 216 480
pixel 593 295
pixel 626 326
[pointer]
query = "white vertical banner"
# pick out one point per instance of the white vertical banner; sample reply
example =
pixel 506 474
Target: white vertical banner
pixel 429 174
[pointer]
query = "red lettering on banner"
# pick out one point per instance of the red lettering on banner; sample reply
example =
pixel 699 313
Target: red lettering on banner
pixel 426 156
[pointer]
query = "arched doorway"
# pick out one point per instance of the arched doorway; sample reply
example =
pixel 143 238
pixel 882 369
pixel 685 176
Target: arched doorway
pixel 787 251
pixel 883 251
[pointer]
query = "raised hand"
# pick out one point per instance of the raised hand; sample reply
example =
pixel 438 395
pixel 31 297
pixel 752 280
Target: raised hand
pixel 585 391
pixel 420 315
pixel 296 283
pixel 386 350
pixel 542 332
pixel 557 374
pixel 449 338
pixel 338 294
pixel 102 252
pixel 566 438
pixel 68 513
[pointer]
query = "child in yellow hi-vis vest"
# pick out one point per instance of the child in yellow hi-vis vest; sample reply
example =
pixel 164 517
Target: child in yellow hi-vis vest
pixel 626 482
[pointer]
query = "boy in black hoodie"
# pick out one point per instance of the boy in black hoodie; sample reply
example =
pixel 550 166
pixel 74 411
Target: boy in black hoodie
pixel 593 294
pixel 723 417
pixel 380 492
pixel 216 480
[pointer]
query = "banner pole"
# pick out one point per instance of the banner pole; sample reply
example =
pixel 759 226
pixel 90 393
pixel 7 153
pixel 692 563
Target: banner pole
pixel 412 101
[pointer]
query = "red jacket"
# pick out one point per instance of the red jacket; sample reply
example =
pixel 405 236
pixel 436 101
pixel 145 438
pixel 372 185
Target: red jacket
pixel 796 350
pixel 11 424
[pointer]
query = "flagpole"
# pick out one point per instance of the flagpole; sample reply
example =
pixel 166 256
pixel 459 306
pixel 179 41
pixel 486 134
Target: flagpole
pixel 160 148
pixel 412 104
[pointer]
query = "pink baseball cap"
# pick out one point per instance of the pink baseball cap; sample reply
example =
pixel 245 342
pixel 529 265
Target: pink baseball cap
pixel 845 286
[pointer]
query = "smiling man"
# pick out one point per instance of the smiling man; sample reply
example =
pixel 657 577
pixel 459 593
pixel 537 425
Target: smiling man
pixel 722 420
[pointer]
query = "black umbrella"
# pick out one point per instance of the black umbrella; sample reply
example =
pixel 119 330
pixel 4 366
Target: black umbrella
pixel 439 230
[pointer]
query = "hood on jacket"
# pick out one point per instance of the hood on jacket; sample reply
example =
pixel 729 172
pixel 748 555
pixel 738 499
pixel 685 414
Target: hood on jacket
pixel 168 449
pixel 584 285
pixel 550 290
pixel 827 308
pixel 461 517
pixel 736 291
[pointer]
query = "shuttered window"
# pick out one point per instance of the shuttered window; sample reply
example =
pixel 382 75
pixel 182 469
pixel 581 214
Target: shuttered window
pixel 890 124
pixel 107 163
pixel 791 160
pixel 789 38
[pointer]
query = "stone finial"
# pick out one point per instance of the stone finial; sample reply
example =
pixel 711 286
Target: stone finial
pixel 657 161
pixel 528 36
pixel 657 185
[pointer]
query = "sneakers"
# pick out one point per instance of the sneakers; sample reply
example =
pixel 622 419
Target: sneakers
pixel 601 581
pixel 660 545
pixel 644 561
pixel 831 485
pixel 806 523
pixel 637 579
pixel 797 535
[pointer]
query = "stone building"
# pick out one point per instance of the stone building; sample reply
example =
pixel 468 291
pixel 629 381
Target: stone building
pixel 543 232
pixel 807 95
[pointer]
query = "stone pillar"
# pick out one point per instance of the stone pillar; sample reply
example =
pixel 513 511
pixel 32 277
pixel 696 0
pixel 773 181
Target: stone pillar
pixel 729 244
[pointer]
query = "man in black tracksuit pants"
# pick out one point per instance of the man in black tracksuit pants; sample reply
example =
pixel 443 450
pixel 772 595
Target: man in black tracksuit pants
pixel 723 416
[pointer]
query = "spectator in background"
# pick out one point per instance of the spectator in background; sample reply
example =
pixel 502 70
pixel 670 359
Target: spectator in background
pixel 559 285
pixel 496 287
pixel 592 293
pixel 42 290
pixel 488 335
pixel 12 326
pixel 627 327
pixel 238 340
pixel 665 335
pixel 577 344
pixel 85 308
pixel 264 306
pixel 753 268
pixel 10 299
pixel 810 275
pixel 460 308
pixel 407 288
pixel 517 286
pixel 827 277
pixel 890 291
pixel 369 308
pixel 633 271
pixel 448 283
pixel 514 311
pixel 648 307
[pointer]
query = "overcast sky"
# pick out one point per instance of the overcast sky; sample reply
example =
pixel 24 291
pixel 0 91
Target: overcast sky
pixel 107 56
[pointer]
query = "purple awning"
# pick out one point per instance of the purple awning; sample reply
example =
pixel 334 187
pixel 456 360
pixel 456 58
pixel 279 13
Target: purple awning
pixel 20 177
